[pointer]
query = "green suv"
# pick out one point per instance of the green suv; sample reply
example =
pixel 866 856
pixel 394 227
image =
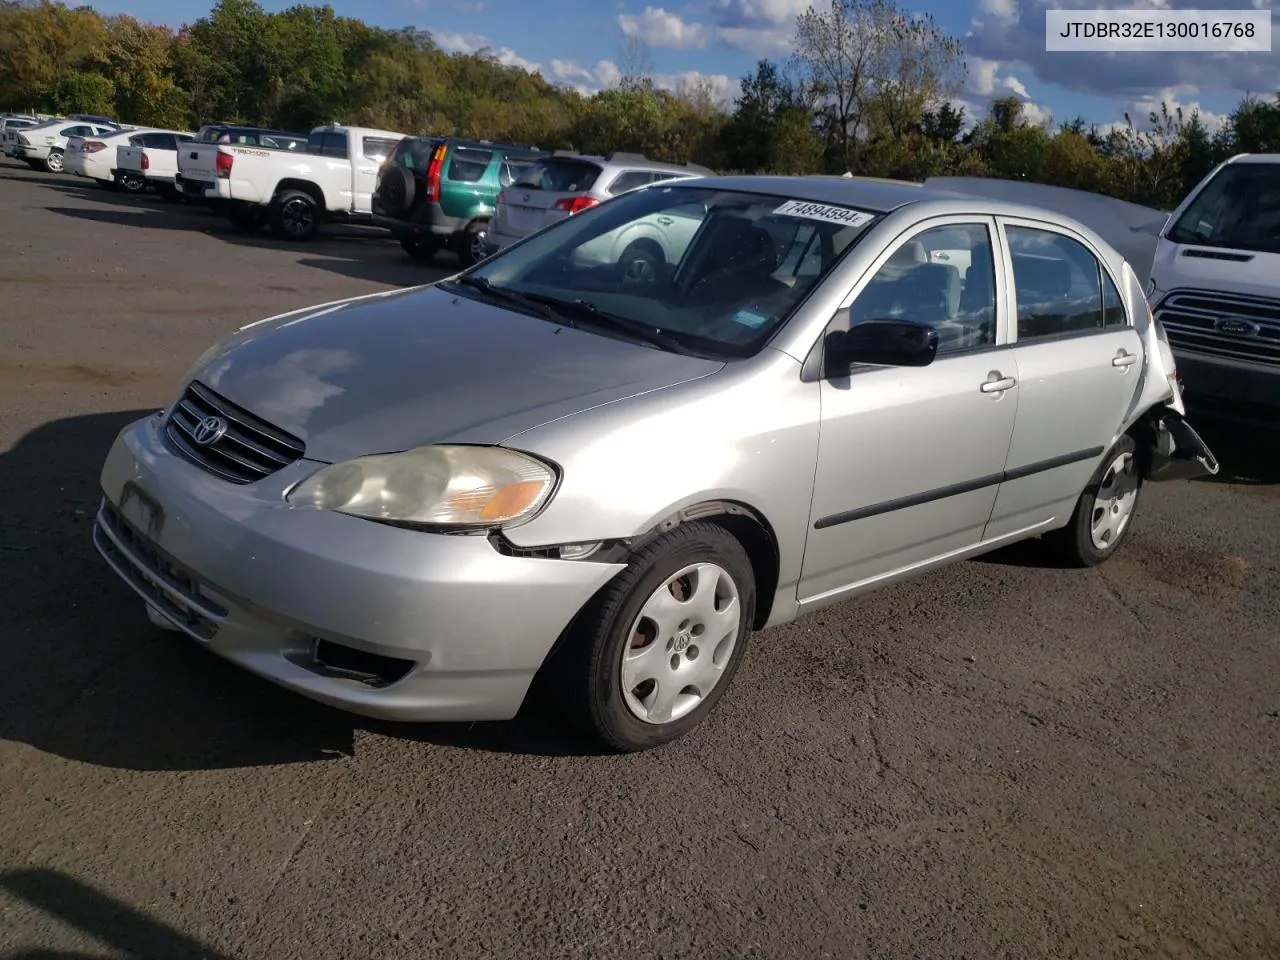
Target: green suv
pixel 437 192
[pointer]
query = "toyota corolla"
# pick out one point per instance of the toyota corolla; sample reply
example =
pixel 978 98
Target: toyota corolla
pixel 408 505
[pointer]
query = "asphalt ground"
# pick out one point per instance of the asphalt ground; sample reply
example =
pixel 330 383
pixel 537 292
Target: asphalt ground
pixel 999 760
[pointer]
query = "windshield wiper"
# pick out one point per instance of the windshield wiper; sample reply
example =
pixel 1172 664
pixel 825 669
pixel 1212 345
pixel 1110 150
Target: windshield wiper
pixel 539 307
pixel 635 329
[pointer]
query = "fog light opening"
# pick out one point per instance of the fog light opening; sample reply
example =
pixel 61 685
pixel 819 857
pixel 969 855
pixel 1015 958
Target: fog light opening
pixel 371 669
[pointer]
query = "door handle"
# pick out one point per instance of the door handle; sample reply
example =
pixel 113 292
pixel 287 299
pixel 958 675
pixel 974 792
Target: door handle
pixel 997 384
pixel 1124 359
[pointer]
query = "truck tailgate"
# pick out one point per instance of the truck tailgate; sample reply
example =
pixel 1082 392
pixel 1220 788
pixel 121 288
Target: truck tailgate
pixel 129 159
pixel 198 168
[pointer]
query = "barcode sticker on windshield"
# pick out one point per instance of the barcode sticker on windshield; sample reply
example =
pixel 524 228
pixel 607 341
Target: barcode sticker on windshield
pixel 823 211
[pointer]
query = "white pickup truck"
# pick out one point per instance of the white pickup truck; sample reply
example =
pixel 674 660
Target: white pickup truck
pixel 293 191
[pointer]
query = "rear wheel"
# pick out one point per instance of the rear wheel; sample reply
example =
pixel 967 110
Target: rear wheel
pixel 54 162
pixel 295 215
pixel 641 261
pixel 168 194
pixel 1103 517
pixel 470 243
pixel 420 248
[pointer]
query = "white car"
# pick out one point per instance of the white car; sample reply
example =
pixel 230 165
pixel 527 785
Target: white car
pixel 45 145
pixel 9 128
pixel 152 160
pixel 92 156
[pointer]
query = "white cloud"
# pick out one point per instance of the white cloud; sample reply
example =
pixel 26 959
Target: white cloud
pixel 569 70
pixel 999 9
pixel 1035 113
pixel 1140 110
pixel 468 43
pixel 985 80
pixel 758 41
pixel 658 28
pixel 720 86
pixel 606 74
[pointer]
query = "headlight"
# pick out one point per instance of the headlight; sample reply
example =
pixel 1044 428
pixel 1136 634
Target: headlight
pixel 436 486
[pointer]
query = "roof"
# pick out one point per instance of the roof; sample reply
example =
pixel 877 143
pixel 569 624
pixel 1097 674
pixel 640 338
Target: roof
pixel 873 196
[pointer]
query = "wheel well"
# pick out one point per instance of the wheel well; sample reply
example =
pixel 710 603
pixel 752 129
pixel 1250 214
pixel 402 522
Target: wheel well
pixel 647 243
pixel 304 185
pixel 1144 432
pixel 751 530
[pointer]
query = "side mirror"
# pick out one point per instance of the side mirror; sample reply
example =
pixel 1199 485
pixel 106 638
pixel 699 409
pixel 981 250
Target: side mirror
pixel 885 343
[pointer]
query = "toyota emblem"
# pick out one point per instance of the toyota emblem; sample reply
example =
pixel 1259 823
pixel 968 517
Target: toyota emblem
pixel 209 430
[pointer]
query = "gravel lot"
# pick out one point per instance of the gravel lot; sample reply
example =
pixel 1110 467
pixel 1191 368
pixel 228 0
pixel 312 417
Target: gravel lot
pixel 1000 760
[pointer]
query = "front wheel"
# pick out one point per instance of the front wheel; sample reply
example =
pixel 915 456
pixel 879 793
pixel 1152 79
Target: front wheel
pixel 1103 517
pixel 295 215
pixel 659 647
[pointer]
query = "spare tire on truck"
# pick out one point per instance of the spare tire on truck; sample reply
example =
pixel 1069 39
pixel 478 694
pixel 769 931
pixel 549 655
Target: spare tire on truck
pixel 397 190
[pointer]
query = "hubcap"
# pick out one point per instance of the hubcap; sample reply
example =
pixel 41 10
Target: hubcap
pixel 55 161
pixel 1113 504
pixel 477 246
pixel 638 270
pixel 296 216
pixel 681 643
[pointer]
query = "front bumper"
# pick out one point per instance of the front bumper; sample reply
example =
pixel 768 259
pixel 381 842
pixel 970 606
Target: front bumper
pixel 448 628
pixel 1216 379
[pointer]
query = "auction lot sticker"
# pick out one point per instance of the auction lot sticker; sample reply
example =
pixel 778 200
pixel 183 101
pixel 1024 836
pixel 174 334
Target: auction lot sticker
pixel 824 212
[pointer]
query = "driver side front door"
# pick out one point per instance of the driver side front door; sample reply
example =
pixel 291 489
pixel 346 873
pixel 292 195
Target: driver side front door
pixel 910 459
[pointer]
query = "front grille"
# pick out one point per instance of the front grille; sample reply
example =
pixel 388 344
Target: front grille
pixel 246 450
pixel 162 583
pixel 1195 321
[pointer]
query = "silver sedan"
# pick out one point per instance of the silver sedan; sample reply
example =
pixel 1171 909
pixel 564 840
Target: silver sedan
pixel 409 505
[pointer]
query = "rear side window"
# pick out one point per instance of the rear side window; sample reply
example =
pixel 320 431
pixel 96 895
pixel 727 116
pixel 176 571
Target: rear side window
pixel 1113 311
pixel 377 149
pixel 629 180
pixel 81 131
pixel 468 165
pixel 512 170
pixel 159 141
pixel 328 144
pixel 1058 283
pixel 560 176
pixel 413 154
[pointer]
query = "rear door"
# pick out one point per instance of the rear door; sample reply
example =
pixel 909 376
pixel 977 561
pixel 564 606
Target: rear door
pixel 465 189
pixel 1079 367
pixel 546 193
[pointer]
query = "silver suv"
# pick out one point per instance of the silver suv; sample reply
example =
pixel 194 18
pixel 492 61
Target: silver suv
pixel 566 183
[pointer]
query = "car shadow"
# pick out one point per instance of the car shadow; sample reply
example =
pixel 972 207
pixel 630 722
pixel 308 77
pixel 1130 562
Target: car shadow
pixel 349 250
pixel 95 915
pixel 81 188
pixel 1247 448
pixel 89 678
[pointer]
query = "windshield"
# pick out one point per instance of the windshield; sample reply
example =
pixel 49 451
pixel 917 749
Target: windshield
pixel 1239 208
pixel 717 270
pixel 559 176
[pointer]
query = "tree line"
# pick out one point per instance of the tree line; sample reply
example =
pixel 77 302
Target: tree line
pixel 869 89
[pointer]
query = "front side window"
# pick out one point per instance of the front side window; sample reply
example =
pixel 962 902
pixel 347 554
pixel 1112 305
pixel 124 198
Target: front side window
pixel 943 277
pixel 735 265
pixel 1239 209
pixel 1058 284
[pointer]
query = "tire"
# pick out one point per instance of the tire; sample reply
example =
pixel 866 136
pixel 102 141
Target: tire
pixel 107 184
pixel 54 162
pixel 168 194
pixel 397 190
pixel 1103 517
pixel 641 261
pixel 247 218
pixel 295 215
pixel 469 243
pixel 659 709
pixel 420 248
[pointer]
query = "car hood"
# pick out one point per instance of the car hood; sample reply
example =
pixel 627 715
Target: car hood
pixel 392 371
